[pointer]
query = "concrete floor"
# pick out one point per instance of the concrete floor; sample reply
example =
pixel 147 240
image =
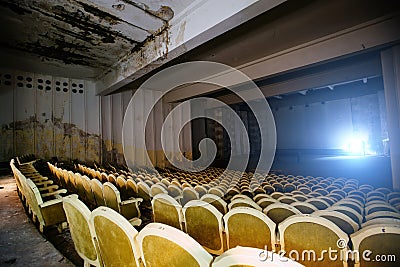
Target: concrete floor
pixel 21 244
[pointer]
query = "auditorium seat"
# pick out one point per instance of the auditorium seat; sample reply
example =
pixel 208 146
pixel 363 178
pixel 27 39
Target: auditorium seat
pixel 384 221
pixel 328 200
pixel 345 223
pixel 249 227
pixel 240 196
pixel 122 188
pixel 303 207
pixel 88 197
pixel 379 207
pixel 277 195
pixel 83 236
pixel 156 189
pixel 257 197
pixel 204 223
pixel 312 233
pixel 351 204
pixel 165 246
pixel 131 188
pixel 46 208
pixel 218 191
pixel 112 179
pixel 188 194
pixel 382 240
pixel 175 191
pixel 351 213
pixel 216 201
pixel 382 214
pixel 318 203
pixel 243 202
pixel 115 237
pixel 143 191
pixel 278 212
pixel 97 188
pixel 287 199
pixel 265 202
pixel 200 190
pixel 128 208
pixel 167 210
pixel 299 197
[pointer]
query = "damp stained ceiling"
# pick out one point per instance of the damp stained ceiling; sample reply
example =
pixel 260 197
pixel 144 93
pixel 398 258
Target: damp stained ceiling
pixel 84 36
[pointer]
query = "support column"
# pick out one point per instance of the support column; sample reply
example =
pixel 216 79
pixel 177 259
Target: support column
pixel 391 79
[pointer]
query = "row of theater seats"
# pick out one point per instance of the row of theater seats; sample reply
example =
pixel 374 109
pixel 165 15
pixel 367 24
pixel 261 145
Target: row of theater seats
pixel 342 201
pixel 39 195
pixel 336 205
pixel 94 193
pixel 246 225
pixel 103 237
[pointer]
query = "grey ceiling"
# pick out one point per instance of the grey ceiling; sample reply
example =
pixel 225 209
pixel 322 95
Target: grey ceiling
pixel 90 33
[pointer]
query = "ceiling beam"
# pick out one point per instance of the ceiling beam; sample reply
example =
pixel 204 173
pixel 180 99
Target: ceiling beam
pixel 205 20
pixel 368 35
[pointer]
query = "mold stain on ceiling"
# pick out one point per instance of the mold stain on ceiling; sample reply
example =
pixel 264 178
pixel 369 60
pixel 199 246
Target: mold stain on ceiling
pixel 91 33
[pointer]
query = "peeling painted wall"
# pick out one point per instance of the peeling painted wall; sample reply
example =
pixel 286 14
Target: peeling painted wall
pixel 113 109
pixel 48 116
pixel 113 112
pixel 60 117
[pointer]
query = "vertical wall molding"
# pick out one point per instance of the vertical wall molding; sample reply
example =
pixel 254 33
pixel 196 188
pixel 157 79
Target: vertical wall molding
pixel 391 78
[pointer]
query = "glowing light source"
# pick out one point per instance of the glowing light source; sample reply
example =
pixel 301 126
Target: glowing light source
pixel 357 145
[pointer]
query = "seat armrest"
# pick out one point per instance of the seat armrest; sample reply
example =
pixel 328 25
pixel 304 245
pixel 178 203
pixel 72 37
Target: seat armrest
pixel 54 193
pixel 132 200
pixel 46 182
pixel 50 202
pixel 135 221
pixel 49 188
pixel 130 208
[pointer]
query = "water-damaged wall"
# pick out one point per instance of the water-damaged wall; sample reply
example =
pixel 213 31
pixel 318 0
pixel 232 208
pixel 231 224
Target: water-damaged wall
pixel 60 117
pixel 48 116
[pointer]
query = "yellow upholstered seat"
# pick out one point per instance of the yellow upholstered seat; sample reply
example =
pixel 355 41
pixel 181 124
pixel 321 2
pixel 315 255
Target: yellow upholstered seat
pixel 305 237
pixel 304 207
pixel 115 237
pixel 216 201
pixel 156 189
pixel 97 188
pixel 318 203
pixel 78 217
pixel 249 227
pixel 280 211
pixel 165 246
pixel 382 241
pixel 48 212
pixel 345 223
pixel 243 202
pixel 127 208
pixel 167 210
pixel 189 194
pixel 204 223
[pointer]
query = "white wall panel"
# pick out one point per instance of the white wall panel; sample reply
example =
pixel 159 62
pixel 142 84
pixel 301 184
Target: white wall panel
pixel 25 115
pixel 44 142
pixel 93 151
pixel 7 115
pixel 106 126
pixel 78 123
pixel 62 118
pixel 48 116
pixel 116 130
